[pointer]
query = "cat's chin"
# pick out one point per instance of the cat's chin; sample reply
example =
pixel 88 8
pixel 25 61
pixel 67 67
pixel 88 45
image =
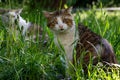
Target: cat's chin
pixel 59 31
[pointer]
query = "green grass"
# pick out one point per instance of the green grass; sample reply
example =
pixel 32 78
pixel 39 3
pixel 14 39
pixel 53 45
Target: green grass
pixel 26 60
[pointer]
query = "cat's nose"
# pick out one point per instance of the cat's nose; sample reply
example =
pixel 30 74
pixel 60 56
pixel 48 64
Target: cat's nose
pixel 61 27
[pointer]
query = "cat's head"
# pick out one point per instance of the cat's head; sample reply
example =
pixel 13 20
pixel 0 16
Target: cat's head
pixel 10 16
pixel 60 21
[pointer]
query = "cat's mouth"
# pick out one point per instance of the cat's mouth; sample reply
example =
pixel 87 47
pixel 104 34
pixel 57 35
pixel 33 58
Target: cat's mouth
pixel 62 29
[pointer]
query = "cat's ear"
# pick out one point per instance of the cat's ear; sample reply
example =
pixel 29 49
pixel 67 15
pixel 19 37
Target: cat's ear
pixel 69 10
pixel 47 14
pixel 2 11
pixel 18 11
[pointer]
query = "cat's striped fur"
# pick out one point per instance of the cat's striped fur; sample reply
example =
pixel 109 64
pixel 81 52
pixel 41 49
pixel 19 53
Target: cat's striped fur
pixel 63 26
pixel 94 46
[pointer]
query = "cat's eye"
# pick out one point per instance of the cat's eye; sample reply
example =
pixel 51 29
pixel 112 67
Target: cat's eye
pixel 67 21
pixel 12 16
pixel 52 22
pixel 7 16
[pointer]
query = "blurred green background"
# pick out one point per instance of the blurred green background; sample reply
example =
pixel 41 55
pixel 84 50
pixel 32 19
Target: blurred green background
pixel 26 60
pixel 56 4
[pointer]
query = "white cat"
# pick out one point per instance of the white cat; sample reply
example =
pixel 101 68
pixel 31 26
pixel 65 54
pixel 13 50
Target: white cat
pixel 30 30
pixel 12 16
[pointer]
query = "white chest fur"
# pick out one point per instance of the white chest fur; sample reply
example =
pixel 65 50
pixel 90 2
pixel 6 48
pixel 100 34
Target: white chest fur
pixel 24 24
pixel 66 40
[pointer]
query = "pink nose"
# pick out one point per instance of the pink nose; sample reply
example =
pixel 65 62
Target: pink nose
pixel 61 27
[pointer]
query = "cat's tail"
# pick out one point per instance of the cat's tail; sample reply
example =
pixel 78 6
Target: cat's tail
pixel 108 53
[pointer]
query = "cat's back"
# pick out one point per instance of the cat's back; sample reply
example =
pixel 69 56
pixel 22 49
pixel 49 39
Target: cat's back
pixel 87 37
pixel 95 45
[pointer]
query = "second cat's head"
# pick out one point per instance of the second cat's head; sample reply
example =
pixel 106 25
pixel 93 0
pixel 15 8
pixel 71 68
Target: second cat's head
pixel 60 21
pixel 10 16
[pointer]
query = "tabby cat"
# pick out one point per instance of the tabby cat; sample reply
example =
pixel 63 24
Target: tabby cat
pixel 66 33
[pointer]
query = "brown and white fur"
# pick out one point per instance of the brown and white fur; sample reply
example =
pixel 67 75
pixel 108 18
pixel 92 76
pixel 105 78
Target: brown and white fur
pixel 63 26
pixel 28 29
pixel 94 46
